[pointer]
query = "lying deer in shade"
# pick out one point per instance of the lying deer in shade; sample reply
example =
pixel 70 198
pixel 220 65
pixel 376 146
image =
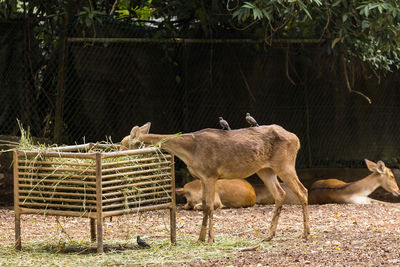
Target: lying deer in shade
pixel 212 154
pixel 337 191
pixel 264 196
pixel 235 193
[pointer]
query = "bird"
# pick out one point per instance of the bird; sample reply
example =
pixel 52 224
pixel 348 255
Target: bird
pixel 251 120
pixel 224 124
pixel 142 243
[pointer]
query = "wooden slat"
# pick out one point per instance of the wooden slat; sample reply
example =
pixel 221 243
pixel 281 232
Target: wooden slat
pixel 110 188
pixel 138 160
pixel 135 210
pixel 140 202
pixel 56 193
pixel 136 179
pixel 136 166
pixel 51 205
pixel 85 213
pixel 56 169
pixel 57 187
pixel 49 199
pixel 166 187
pixel 61 181
pixel 86 146
pixel 123 153
pixel 135 172
pixel 41 162
pixel 134 196
pixel 39 174
pixel 34 153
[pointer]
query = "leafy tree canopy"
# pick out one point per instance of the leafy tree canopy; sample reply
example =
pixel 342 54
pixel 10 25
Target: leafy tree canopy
pixel 368 30
pixel 364 29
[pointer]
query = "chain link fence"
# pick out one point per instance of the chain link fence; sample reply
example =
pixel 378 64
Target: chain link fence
pixel 120 78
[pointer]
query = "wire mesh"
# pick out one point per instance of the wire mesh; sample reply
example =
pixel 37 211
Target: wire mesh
pixel 183 86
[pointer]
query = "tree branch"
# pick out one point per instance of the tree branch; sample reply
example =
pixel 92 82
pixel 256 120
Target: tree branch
pixel 348 82
pixel 287 66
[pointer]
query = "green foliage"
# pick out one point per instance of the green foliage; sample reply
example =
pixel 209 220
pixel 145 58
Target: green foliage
pixel 368 30
pixel 8 8
pixel 141 12
pixel 362 29
pixel 88 16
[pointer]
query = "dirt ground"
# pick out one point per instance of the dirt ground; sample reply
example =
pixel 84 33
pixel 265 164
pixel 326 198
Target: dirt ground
pixel 341 235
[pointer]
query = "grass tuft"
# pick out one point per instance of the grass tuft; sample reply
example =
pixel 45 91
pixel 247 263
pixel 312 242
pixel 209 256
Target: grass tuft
pixel 79 253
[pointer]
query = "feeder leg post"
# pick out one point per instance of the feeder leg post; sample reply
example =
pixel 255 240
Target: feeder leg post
pixel 17 211
pixel 100 234
pixel 99 204
pixel 17 231
pixel 172 220
pixel 92 229
pixel 172 210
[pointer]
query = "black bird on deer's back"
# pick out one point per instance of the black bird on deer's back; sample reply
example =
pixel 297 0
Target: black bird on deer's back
pixel 224 124
pixel 251 120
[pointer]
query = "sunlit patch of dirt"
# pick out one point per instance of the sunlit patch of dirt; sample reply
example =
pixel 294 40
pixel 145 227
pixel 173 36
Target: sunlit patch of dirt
pixel 341 235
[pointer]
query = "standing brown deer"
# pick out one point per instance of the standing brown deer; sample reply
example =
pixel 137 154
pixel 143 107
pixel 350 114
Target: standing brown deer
pixel 212 154
pixel 337 191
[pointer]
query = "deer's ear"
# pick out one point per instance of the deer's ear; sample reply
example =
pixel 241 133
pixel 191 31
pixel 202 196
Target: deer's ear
pixel 376 167
pixel 180 191
pixel 371 165
pixel 124 144
pixel 135 133
pixel 380 167
pixel 145 128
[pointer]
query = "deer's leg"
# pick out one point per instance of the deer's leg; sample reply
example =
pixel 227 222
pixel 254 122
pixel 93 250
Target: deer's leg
pixel 289 177
pixel 203 230
pixel 374 201
pixel 208 187
pixel 272 183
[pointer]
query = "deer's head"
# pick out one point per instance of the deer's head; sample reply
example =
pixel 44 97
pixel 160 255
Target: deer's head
pixel 132 141
pixel 386 176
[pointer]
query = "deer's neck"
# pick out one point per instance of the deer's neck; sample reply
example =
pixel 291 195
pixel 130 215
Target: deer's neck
pixel 366 185
pixel 180 146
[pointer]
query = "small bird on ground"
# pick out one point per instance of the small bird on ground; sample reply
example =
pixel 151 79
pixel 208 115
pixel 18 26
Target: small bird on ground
pixel 142 243
pixel 251 120
pixel 224 124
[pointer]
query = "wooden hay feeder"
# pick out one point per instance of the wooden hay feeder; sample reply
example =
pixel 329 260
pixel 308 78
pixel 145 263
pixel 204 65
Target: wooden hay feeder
pixel 66 182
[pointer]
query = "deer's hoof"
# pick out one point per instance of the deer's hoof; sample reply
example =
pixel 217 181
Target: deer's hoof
pixel 306 236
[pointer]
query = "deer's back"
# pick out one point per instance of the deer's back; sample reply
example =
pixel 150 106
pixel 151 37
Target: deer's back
pixel 328 191
pixel 240 153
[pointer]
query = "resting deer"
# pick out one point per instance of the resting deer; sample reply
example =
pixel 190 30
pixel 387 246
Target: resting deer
pixel 234 193
pixel 336 191
pixel 264 196
pixel 212 154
